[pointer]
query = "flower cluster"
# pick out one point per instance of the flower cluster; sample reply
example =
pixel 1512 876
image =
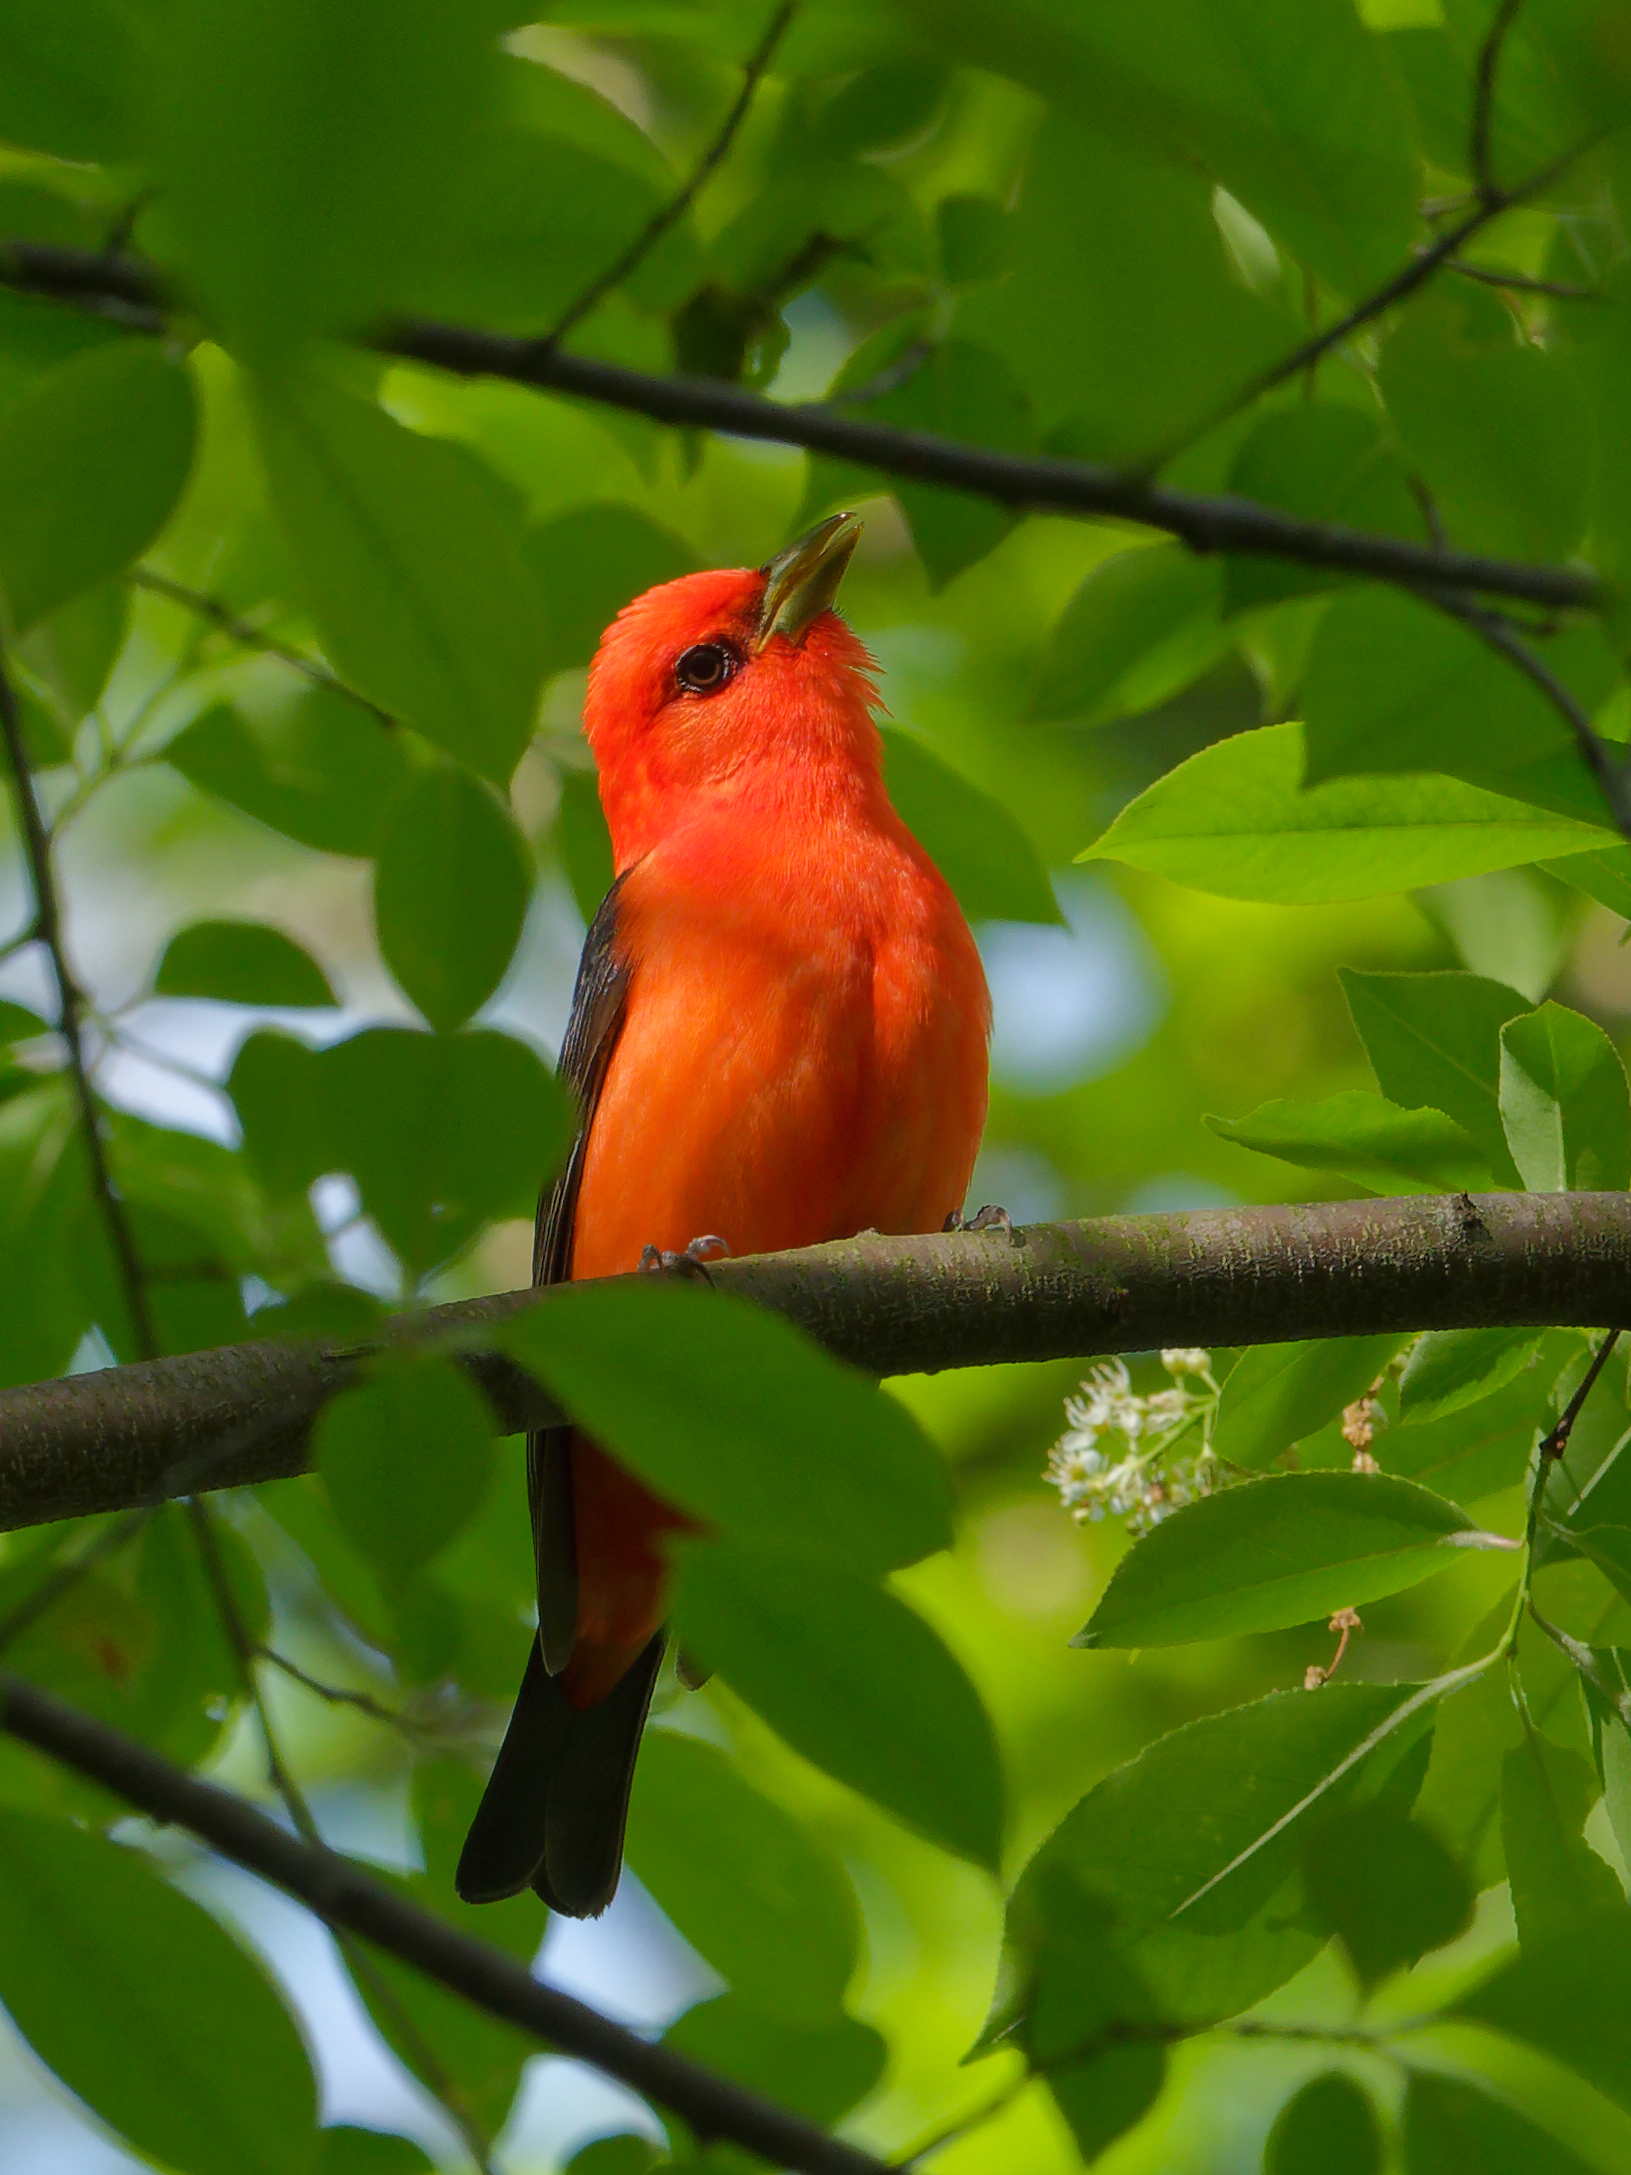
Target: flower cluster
pixel 1120 1454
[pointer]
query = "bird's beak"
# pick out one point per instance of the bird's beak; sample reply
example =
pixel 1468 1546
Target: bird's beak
pixel 801 582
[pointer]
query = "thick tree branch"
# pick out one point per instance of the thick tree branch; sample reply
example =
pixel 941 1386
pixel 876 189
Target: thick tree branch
pixel 1035 484
pixel 344 1897
pixel 118 1438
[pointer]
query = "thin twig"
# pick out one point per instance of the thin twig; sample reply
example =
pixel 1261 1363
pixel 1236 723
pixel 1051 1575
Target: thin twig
pixel 72 1008
pixel 1519 283
pixel 249 636
pixel 337 1695
pixel 1483 104
pixel 63 1577
pixel 676 208
pixel 298 1807
pixel 1500 635
pixel 1416 273
pixel 1548 1451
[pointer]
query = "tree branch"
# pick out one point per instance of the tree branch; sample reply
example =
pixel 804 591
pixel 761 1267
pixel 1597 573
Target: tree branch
pixel 344 1897
pixel 121 1437
pixel 1612 775
pixel 1036 484
pixel 1479 158
pixel 71 1006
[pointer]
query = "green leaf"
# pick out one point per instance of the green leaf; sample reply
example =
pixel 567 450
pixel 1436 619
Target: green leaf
pixel 1513 924
pixel 241 962
pixel 1366 1139
pixel 18 1024
pixel 770 1909
pixel 981 849
pixel 92 460
pixel 820 2069
pixel 146 2009
pixel 1327 2128
pixel 1604 876
pixel 1472 1452
pixel 411 559
pixel 1278 1552
pixel 884 107
pixel 306 157
pixel 853 1679
pixel 742 1420
pixel 1321 462
pixel 1294 108
pixel 1394 686
pixel 451 887
pixel 974 237
pixel 344 2150
pixel 1277 1393
pixel 966 392
pixel 1571 1997
pixel 1451 1368
pixel 588 564
pixel 441 1133
pixel 1235 820
pixel 1452 2128
pixel 582 841
pixel 1609 1547
pixel 274 1086
pixel 535 219
pixel 1209 1821
pixel 1388 1888
pixel 321 771
pixel 1564 1103
pixel 72 651
pixel 1434 1040
pixel 65 70
pixel 1103 2098
pixel 406 1458
pixel 1493 424
pixel 1142 625
pixel 1135 363
pixel 1558 1881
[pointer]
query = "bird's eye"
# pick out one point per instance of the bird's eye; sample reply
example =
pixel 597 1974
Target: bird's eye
pixel 705 667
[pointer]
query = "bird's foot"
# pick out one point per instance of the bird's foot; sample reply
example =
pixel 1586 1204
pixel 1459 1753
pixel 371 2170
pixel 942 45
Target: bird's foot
pixel 989 1218
pixel 692 1262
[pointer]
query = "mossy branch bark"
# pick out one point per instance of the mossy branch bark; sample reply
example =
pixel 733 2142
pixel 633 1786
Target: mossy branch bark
pixel 129 1435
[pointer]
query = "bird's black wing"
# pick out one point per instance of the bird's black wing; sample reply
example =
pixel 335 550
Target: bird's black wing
pixel 591 1037
pixel 553 1814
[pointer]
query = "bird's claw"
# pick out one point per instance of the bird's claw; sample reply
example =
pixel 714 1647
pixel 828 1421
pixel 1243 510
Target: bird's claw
pixel 989 1218
pixel 691 1262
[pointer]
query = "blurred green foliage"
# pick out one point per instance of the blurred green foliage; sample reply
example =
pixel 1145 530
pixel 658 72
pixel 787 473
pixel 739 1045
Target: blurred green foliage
pixel 298 636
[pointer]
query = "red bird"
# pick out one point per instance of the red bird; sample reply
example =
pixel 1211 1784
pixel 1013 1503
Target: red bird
pixel 778 1035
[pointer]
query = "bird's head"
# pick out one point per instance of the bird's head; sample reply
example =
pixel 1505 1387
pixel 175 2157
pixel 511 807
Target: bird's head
pixel 719 681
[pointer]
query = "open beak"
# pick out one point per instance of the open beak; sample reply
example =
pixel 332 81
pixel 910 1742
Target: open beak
pixel 801 582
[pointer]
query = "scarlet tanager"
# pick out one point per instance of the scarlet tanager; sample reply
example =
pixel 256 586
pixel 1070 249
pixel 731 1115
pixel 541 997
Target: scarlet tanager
pixel 778 1036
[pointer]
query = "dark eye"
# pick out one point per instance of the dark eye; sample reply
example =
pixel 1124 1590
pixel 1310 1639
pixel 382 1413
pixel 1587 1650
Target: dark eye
pixel 704 668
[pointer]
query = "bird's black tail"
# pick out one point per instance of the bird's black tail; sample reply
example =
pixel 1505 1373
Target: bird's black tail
pixel 556 1804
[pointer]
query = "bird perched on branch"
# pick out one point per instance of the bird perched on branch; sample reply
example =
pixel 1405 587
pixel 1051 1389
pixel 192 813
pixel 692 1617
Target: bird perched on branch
pixel 778 1037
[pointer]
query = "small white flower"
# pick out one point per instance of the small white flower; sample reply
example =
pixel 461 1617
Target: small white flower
pixel 1182 1359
